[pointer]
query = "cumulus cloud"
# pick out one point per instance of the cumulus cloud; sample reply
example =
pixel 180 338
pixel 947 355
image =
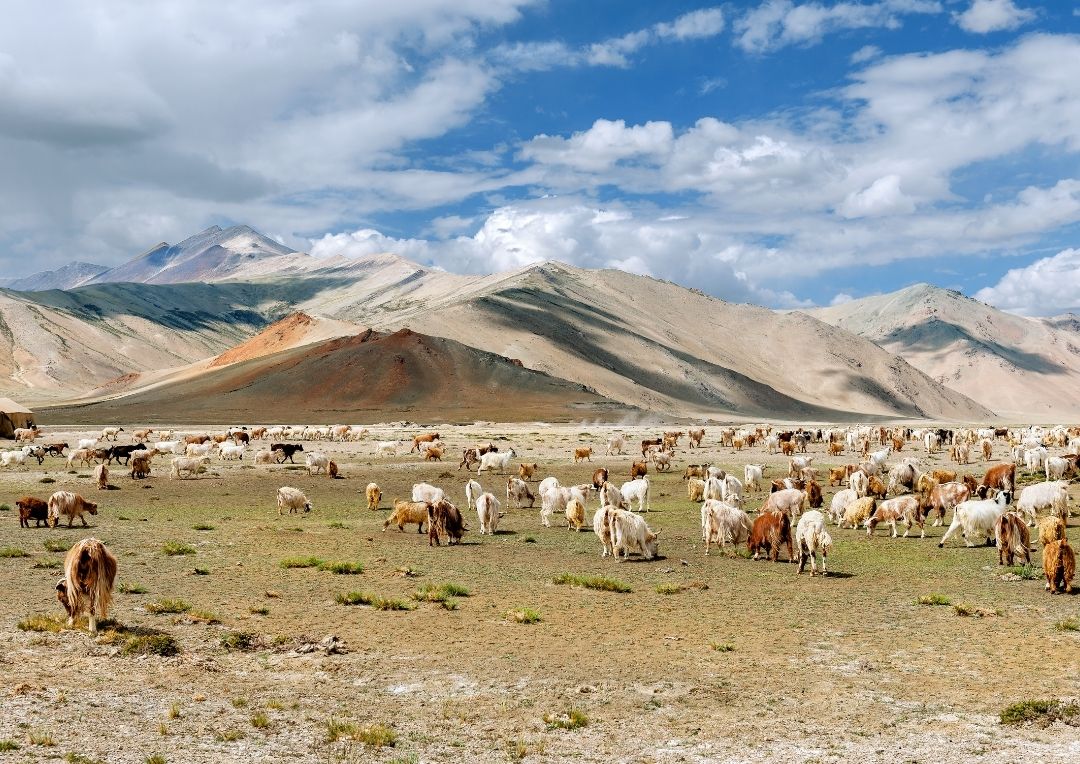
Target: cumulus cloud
pixel 882 197
pixel 578 232
pixel 1047 287
pixel 777 23
pixel 865 53
pixel 984 16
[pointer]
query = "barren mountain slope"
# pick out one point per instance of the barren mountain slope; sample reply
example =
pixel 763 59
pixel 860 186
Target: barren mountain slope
pixel 60 344
pixel 1022 368
pixel 67 277
pixel 666 348
pixel 362 378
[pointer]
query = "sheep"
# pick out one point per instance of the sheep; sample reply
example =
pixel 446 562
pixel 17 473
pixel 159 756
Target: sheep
pixel 811 538
pixel 427 492
pixel 1051 496
pixel 374 496
pixel 292 499
pixel 406 513
pixel 487 511
pixel 575 515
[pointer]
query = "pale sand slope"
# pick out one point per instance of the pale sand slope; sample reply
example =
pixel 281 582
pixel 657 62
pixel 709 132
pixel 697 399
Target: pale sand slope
pixel 663 347
pixel 1022 368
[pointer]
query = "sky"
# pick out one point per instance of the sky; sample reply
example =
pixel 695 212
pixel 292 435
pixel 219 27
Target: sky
pixel 782 152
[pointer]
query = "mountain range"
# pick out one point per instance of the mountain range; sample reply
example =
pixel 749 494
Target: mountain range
pixel 209 316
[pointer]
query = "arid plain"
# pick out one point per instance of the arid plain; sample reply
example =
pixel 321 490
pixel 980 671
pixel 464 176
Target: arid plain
pixel 712 658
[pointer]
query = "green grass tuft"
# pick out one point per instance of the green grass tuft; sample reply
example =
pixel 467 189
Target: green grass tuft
pixel 571 720
pixel 202 527
pixel 176 548
pixel 6 746
pixel 126 588
pixel 54 545
pixel 260 721
pixel 12 552
pixel 48 564
pixel 239 640
pixel 598 583
pixel 1027 572
pixel 1069 624
pixel 167 606
pixel 301 562
pixel 39 622
pixel 163 645
pixel 934 599
pixel 342 568
pixel 670 588
pixel 723 647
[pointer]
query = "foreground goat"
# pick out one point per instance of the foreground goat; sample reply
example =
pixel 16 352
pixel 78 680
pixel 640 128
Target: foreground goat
pixel 976 519
pixel 374 496
pixel 771 530
pixel 631 534
pixel 1059 565
pixel 444 519
pixel 89 572
pixel 406 513
pixel 811 538
pixel 487 511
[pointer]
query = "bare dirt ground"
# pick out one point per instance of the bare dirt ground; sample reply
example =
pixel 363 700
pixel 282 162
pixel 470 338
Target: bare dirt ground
pixel 750 662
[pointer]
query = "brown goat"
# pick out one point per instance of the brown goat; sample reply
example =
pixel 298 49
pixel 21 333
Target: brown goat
pixel 1059 566
pixel 638 469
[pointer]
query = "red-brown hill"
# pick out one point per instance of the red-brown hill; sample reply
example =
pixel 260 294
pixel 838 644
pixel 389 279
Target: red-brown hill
pixel 368 377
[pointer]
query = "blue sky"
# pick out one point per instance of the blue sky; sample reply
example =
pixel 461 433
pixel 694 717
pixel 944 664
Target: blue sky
pixel 785 153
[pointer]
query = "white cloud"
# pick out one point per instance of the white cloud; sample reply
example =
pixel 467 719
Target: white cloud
pixel 777 23
pixel 1046 287
pixel 613 52
pixel 578 232
pixel 882 197
pixel 841 298
pixel 865 53
pixel 984 16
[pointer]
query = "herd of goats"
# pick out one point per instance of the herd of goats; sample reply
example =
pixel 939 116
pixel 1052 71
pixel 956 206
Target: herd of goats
pixel 793 517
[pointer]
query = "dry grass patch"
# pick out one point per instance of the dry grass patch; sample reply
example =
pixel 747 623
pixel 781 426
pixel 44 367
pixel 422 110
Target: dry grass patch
pixel 301 562
pixel 177 548
pixel 526 615
pixel 168 607
pixel 342 568
pixel 42 623
pixel 597 583
pixel 1041 713
pixel 372 600
pixel 12 552
pixel 129 588
pixel 934 599
pixel 571 720
pixel 52 545
pixel 239 640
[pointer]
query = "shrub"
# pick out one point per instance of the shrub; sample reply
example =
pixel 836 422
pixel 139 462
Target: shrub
pixel 1069 624
pixel 377 736
pixel 239 640
pixel 1041 712
pixel 126 588
pixel 723 647
pixel 42 739
pixel 599 583
pixel 571 720
pixel 1027 572
pixel 160 644
pixel 176 548
pixel 47 564
pixel 230 736
pixel 156 758
pixel 441 594
pixel 47 480
pixel 202 527
pixel 524 615
pixel 7 746
pixel 260 721
pixel 259 610
pixel 670 588
pixel 934 599
pixel 166 606
pixel 12 552
pixel 301 562
pixel 54 545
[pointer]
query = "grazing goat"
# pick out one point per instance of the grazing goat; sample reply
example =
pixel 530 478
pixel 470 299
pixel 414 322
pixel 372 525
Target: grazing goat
pixel 1050 529
pixel 599 477
pixel 374 496
pixel 89 572
pixel 1052 496
pixel 427 492
pixel 632 534
pixel 183 465
pixel 71 504
pixel 638 469
pixel 444 519
pixel 1013 538
pixel 517 491
pixel 637 489
pixel 473 490
pixel 140 468
pixel 292 499
pixel 858 512
pixel 32 508
pixel 1059 566
pixel 487 511
pixel 695 490
pixel 722 523
pixel 316 462
pixel 1000 476
pixel 101 475
pixel 770 531
pixel 528 471
pixel 406 513
pixel 904 509
pixel 575 515
pixel 812 539
pixel 840 502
